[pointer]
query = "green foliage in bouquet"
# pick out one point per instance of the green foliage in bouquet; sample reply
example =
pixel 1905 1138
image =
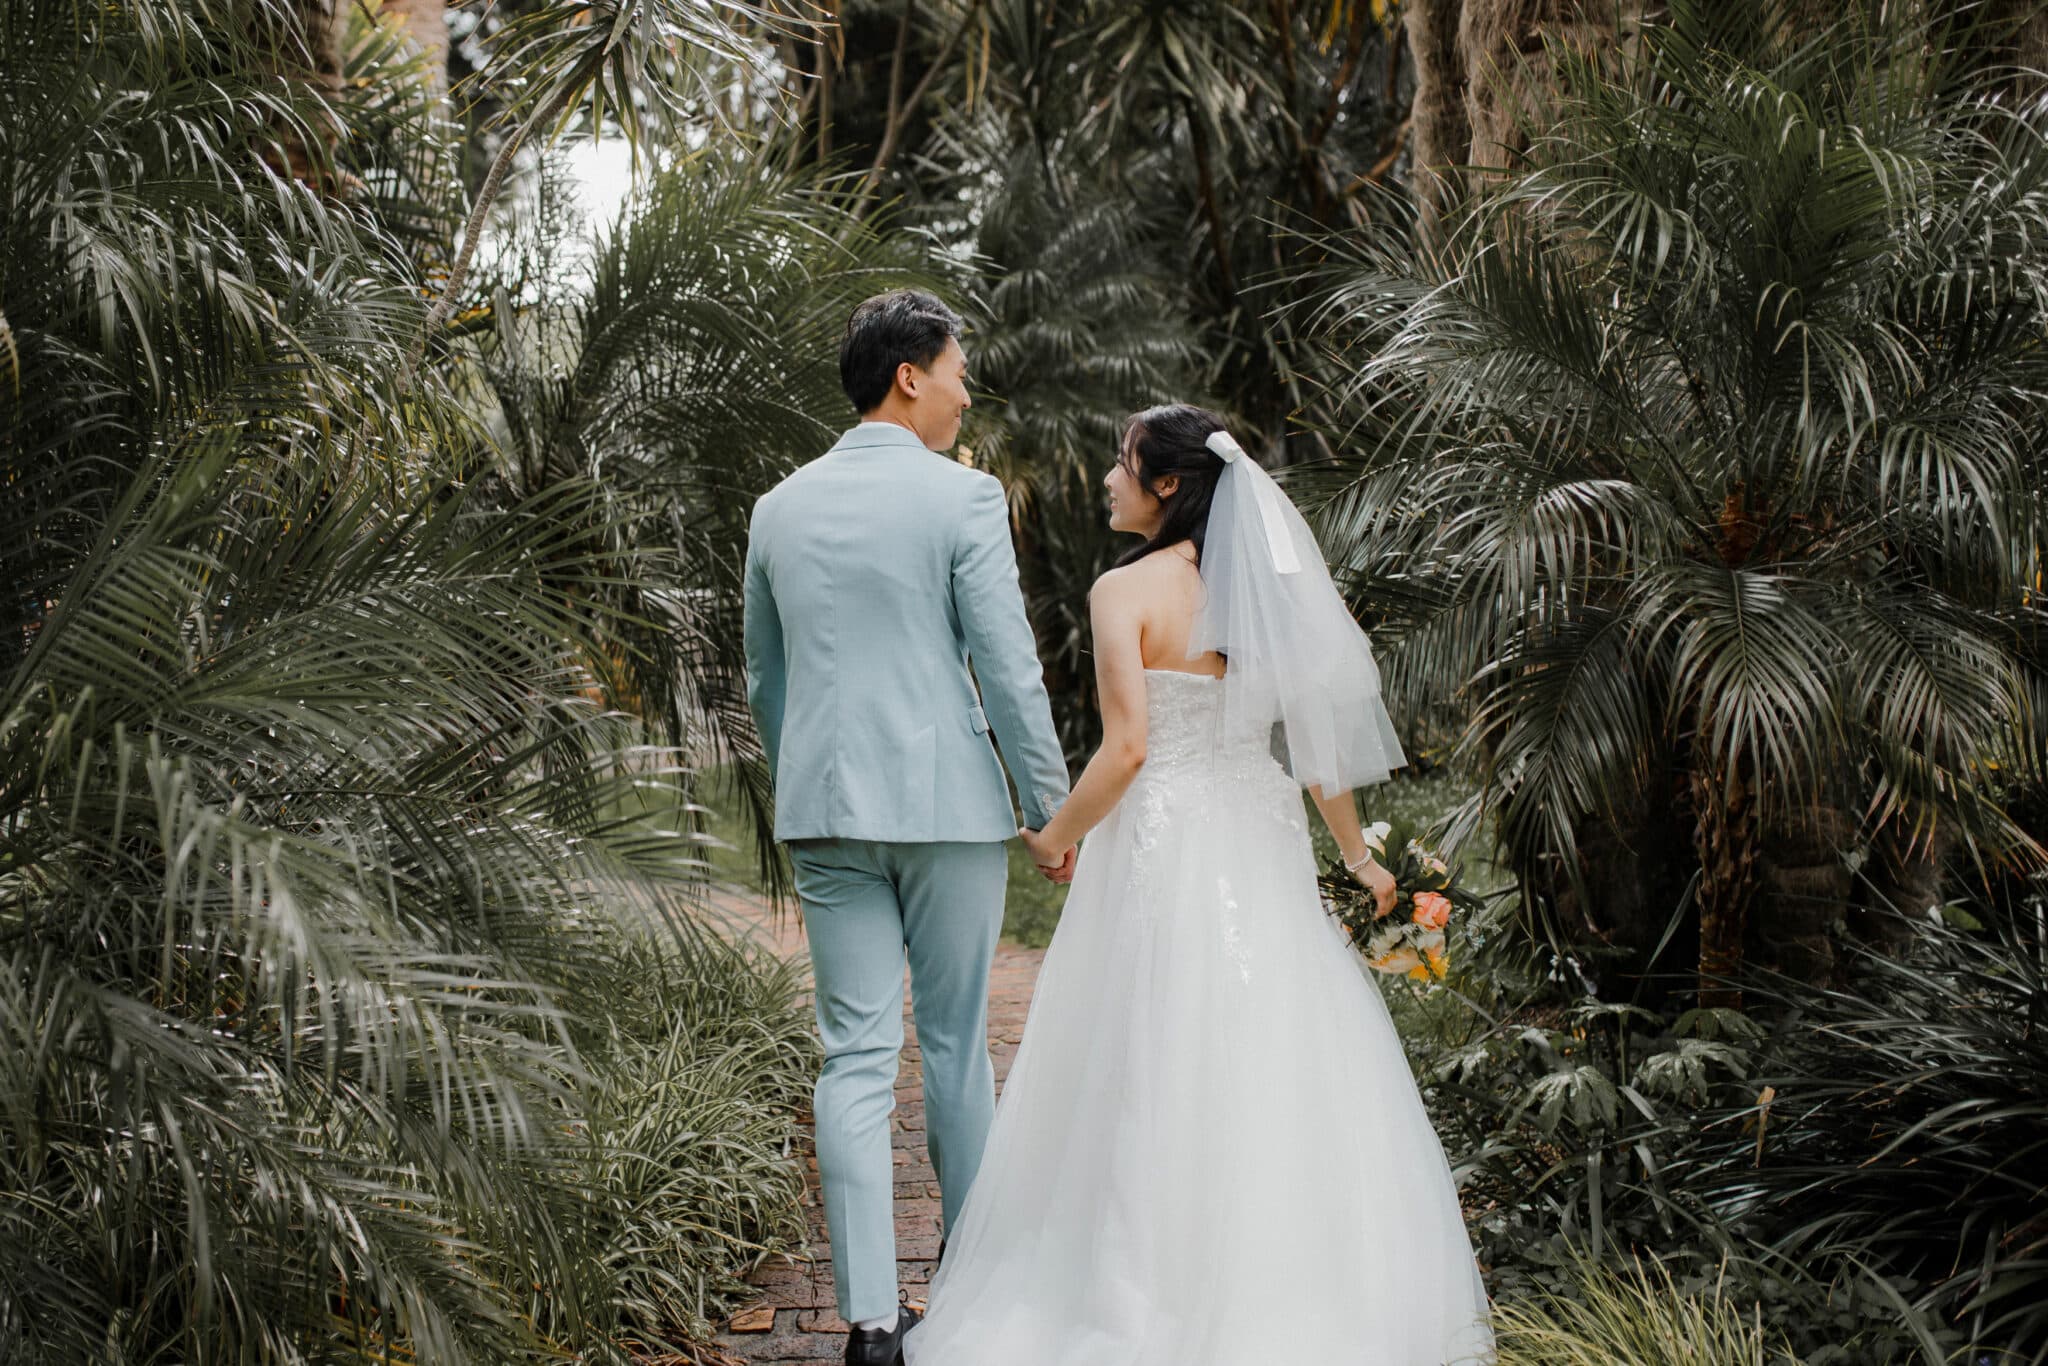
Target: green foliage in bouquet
pixel 1410 939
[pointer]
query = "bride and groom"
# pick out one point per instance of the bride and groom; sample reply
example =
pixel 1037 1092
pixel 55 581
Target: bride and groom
pixel 1209 1148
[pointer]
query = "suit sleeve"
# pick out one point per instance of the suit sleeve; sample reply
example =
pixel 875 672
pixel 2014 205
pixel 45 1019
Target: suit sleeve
pixel 1005 654
pixel 767 678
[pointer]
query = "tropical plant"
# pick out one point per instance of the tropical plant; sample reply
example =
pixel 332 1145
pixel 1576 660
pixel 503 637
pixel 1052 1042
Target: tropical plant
pixel 1569 1115
pixel 315 817
pixel 641 66
pixel 1076 329
pixel 1864 1173
pixel 702 1067
pixel 1641 1315
pixel 685 355
pixel 1899 1134
pixel 1194 124
pixel 1703 465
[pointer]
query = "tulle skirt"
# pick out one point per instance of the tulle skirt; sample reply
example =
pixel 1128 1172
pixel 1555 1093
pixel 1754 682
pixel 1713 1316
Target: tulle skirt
pixel 1209 1150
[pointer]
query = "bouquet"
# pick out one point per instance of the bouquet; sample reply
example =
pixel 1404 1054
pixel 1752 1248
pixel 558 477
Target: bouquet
pixel 1407 941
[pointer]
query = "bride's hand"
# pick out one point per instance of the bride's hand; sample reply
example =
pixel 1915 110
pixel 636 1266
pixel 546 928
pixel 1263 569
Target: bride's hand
pixel 1056 864
pixel 1380 883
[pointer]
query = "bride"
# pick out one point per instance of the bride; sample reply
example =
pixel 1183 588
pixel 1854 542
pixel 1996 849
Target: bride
pixel 1210 1151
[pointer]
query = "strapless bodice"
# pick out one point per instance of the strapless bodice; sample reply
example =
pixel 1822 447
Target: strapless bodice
pixel 1186 731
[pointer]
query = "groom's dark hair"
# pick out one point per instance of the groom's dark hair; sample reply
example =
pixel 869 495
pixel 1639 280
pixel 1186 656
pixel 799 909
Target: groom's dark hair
pixel 884 332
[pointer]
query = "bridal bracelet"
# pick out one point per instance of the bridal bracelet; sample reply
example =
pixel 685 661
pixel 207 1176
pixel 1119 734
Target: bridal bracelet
pixel 1365 859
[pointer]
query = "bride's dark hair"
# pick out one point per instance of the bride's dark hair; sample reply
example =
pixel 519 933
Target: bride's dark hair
pixel 1170 440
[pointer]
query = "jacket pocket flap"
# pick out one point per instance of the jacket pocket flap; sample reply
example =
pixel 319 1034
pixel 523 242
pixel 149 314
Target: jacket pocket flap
pixel 978 719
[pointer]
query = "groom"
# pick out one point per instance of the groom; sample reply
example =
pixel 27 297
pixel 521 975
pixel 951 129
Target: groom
pixel 874 575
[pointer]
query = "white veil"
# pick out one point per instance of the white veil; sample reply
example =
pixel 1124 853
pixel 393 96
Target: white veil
pixel 1296 656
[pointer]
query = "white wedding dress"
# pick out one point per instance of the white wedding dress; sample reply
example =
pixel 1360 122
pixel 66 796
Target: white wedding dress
pixel 1209 1151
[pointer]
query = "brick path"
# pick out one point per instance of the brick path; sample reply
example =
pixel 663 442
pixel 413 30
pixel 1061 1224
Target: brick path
pixel 795 1321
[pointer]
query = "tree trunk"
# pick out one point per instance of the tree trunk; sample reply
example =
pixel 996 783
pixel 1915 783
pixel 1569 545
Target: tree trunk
pixel 1905 875
pixel 2019 33
pixel 425 24
pixel 1726 838
pixel 1438 135
pixel 2030 44
pixel 1506 48
pixel 1806 890
pixel 311 55
pixel 1635 871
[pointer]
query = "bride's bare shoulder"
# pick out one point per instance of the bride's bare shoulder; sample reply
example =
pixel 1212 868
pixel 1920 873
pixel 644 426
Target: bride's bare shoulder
pixel 1161 572
pixel 1119 585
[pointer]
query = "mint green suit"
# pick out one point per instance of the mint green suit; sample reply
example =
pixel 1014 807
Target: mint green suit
pixel 874 575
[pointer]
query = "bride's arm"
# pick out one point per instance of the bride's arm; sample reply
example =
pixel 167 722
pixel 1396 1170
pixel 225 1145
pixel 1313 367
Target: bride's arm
pixel 1120 683
pixel 1340 813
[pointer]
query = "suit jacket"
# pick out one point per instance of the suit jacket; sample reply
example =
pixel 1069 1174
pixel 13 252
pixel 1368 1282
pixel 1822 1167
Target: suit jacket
pixel 875 574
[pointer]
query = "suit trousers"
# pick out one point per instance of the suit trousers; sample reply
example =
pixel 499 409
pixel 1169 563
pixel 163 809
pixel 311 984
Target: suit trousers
pixel 869 906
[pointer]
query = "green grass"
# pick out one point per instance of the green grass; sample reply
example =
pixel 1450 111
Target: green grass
pixel 1031 911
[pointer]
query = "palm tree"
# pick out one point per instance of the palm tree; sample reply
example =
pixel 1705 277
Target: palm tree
pixel 1077 328
pixel 315 789
pixel 1486 75
pixel 643 67
pixel 1201 123
pixel 1709 478
pixel 686 362
pixel 297 803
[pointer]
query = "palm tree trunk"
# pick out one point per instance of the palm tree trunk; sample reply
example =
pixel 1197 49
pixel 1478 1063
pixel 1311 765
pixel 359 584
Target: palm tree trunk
pixel 479 213
pixel 425 23
pixel 1726 838
pixel 311 55
pixel 1484 75
pixel 2018 30
pixel 1505 47
pixel 1205 181
pixel 901 109
pixel 1903 874
pixel 1439 135
pixel 1804 889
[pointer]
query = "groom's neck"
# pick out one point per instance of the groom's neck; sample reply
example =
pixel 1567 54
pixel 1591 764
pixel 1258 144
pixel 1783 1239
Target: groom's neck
pixel 895 415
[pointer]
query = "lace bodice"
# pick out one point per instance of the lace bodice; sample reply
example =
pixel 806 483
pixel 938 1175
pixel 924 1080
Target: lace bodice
pixel 1189 752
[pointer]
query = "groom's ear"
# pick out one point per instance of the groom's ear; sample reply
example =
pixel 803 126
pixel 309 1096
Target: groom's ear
pixel 907 376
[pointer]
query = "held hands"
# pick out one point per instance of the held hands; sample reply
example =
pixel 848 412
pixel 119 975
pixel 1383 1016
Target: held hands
pixel 1376 880
pixel 1056 864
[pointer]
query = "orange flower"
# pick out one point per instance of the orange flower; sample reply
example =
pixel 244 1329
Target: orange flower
pixel 1432 910
pixel 1402 960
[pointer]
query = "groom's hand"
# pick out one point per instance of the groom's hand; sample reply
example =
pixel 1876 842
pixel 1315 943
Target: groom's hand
pixel 1063 871
pixel 1056 864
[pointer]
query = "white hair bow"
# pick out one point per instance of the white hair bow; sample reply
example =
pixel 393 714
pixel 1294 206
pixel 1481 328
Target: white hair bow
pixel 1225 445
pixel 1267 493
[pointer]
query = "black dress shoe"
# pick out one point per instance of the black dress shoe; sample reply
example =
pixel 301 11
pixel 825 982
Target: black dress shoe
pixel 881 1346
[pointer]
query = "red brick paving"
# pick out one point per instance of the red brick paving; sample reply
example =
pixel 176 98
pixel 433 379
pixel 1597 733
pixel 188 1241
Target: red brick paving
pixel 806 1326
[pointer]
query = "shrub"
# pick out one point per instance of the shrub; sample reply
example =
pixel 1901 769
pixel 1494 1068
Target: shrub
pixel 1641 1315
